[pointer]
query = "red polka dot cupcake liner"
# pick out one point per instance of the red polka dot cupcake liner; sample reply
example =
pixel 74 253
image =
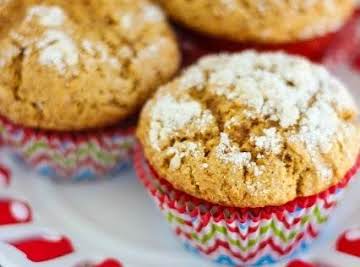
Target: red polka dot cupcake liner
pixel 79 156
pixel 241 236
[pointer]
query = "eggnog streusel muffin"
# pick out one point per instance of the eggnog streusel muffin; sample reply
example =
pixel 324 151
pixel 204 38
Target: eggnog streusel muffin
pixel 251 130
pixel 74 65
pixel 73 74
pixel 261 21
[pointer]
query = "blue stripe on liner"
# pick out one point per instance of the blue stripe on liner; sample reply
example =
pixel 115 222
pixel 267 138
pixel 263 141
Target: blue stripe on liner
pixel 83 175
pixel 265 260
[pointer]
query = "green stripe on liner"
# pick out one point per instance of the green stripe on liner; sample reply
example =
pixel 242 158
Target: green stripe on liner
pixel 35 147
pixel 320 219
pixel 90 150
pixel 171 218
pixel 215 229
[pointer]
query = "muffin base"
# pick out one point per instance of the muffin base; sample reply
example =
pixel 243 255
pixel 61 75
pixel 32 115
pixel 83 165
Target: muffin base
pixel 70 157
pixel 240 236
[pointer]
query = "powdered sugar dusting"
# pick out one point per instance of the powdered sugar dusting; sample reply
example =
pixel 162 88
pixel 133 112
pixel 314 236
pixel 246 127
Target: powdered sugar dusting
pixel 7 53
pixel 271 85
pixel 300 98
pixel 222 78
pixel 257 188
pixel 152 13
pixel 125 52
pixel 231 154
pixel 258 170
pixel 192 78
pixel 148 13
pixel 58 50
pixel 88 46
pixel 170 115
pixel 317 129
pixel 127 20
pixel 205 166
pixel 151 50
pixel 49 16
pixel 230 123
pixel 100 50
pixel 228 152
pixel 182 149
pixel 270 142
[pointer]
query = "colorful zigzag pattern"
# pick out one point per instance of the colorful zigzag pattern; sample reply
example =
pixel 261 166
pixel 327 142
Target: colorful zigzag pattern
pixel 67 157
pixel 239 237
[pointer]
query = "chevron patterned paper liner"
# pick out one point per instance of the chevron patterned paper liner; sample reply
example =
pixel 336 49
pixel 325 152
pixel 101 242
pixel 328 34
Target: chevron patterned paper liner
pixel 68 156
pixel 235 236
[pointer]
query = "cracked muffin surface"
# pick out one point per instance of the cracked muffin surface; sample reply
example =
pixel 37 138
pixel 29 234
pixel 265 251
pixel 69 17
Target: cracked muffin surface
pixel 251 129
pixel 76 65
pixel 261 21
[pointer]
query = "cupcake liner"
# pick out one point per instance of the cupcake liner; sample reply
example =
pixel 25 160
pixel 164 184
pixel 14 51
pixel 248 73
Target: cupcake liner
pixel 70 156
pixel 241 236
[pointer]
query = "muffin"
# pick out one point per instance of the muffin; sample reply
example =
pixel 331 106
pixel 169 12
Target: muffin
pixel 74 75
pixel 300 27
pixel 246 154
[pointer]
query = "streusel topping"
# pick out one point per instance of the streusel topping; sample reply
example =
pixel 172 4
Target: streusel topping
pixel 254 115
pixel 73 65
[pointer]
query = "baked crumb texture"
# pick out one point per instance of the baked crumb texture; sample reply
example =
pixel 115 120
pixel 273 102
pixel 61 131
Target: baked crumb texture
pixel 262 21
pixel 73 65
pixel 251 129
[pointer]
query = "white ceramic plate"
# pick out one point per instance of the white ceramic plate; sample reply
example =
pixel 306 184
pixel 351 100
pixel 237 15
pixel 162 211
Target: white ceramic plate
pixel 117 219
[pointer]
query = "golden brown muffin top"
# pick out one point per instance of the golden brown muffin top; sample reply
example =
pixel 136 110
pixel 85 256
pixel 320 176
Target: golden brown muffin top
pixel 251 129
pixel 261 21
pixel 73 65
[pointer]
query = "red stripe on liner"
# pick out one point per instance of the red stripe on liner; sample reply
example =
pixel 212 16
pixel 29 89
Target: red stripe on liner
pixel 266 243
pixel 84 163
pixel 55 138
pixel 186 204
